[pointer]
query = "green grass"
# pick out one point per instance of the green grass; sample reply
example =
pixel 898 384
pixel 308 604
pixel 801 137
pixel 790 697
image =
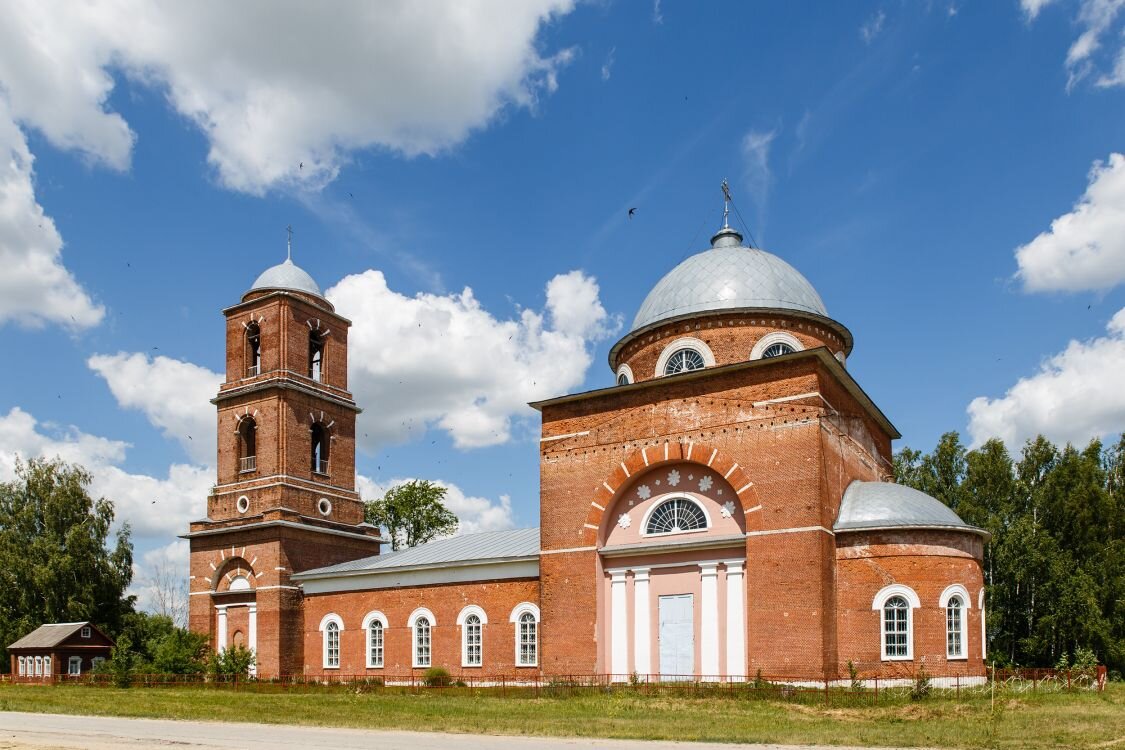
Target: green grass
pixel 1078 719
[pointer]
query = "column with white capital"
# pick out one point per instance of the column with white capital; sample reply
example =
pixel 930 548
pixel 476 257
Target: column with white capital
pixel 619 621
pixel 709 620
pixel 642 623
pixel 221 628
pixel 736 620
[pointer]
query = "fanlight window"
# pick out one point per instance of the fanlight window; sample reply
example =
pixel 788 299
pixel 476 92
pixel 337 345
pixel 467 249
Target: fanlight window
pixel 776 350
pixel 683 360
pixel 623 379
pixel 676 515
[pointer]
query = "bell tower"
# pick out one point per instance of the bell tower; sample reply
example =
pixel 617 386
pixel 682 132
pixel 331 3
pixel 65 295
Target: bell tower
pixel 285 498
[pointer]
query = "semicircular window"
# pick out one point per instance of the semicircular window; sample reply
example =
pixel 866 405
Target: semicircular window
pixel 777 350
pixel 676 515
pixel 683 360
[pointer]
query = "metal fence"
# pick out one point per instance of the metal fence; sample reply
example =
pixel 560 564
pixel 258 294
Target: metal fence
pixel 858 691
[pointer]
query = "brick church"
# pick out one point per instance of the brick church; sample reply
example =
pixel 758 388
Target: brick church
pixel 725 508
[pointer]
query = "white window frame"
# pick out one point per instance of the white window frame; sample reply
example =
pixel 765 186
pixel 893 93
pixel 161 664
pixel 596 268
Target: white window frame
pixel 70 669
pixel 521 609
pixel 983 630
pixel 47 666
pixel 23 666
pixel 415 616
pixel 462 619
pixel 96 661
pixel 627 372
pixel 913 603
pixel 38 666
pixel 943 602
pixel 665 498
pixel 86 632
pixel 775 337
pixel 369 620
pixel 334 619
pixel 686 342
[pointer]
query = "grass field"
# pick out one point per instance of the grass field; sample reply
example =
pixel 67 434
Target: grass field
pixel 1079 719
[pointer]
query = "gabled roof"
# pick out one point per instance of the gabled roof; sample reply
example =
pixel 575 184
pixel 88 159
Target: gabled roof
pixel 52 634
pixel 487 546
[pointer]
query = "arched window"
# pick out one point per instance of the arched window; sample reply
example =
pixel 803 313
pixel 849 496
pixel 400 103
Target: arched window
pixel 247 445
pixel 896 628
pixel 683 360
pixel 955 628
pixel 253 350
pixel 623 379
pixel 422 641
pixel 529 640
pixel 473 647
pixel 776 350
pixel 239 583
pixel 332 645
pixel 375 624
pixel 320 443
pixel 674 516
pixel 316 356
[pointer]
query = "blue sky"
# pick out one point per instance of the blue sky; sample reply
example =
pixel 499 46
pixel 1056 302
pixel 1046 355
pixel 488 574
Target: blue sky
pixel 908 157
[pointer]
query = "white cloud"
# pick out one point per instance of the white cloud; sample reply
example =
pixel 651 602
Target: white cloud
pixel 873 26
pixel 274 85
pixel 160 581
pixel 444 361
pixel 474 513
pixel 756 173
pixel 35 287
pixel 154 507
pixel 1085 248
pixel 1076 395
pixel 1032 7
pixel 173 395
pixel 607 66
pixel 657 13
pixel 1096 18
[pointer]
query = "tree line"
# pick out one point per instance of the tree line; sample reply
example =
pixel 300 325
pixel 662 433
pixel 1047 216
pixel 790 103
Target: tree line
pixel 1054 567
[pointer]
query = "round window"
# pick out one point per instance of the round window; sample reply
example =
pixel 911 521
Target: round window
pixel 776 350
pixel 324 506
pixel 243 504
pixel 683 360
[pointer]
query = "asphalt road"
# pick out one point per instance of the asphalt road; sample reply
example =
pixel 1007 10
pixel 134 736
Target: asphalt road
pixel 22 731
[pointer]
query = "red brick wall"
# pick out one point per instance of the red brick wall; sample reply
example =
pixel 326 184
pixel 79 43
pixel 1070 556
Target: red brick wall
pixel 445 601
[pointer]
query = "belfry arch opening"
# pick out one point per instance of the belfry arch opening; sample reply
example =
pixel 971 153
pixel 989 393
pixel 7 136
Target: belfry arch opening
pixel 247 445
pixel 253 350
pixel 316 356
pixel 320 448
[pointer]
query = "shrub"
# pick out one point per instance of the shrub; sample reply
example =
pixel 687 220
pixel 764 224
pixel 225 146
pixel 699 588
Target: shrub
pixel 922 684
pixel 121 662
pixel 231 662
pixel 437 677
pixel 853 675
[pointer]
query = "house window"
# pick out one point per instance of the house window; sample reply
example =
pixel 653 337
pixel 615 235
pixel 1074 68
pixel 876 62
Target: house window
pixel 253 350
pixel 472 632
pixel 38 666
pixel 23 667
pixel 683 360
pixel 527 640
pixel 247 445
pixel 46 665
pixel 422 642
pixel 332 646
pixel 955 628
pixel 320 443
pixel 97 661
pixel 676 515
pixel 86 632
pixel 896 628
pixel 375 644
pixel 316 357
pixel 74 666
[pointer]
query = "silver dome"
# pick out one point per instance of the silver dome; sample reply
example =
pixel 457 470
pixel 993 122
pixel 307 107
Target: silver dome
pixel 879 505
pixel 287 275
pixel 725 277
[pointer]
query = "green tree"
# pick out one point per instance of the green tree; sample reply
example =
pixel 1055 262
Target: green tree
pixel 56 563
pixel 413 513
pixel 234 661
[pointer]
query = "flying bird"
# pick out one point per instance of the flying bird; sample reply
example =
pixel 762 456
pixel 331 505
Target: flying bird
pixel 632 211
pixel 301 165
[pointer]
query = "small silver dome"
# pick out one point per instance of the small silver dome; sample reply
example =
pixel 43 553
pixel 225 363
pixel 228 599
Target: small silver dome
pixel 879 505
pixel 728 276
pixel 287 275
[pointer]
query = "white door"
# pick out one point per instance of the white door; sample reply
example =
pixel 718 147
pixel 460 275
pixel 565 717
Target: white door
pixel 677 635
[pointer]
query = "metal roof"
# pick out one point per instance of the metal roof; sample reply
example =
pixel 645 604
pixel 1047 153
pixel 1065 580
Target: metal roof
pixel 287 275
pixel 729 276
pixel 50 635
pixel 880 505
pixel 467 548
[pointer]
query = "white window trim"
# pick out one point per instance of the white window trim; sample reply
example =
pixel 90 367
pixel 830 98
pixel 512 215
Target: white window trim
pixel 38 666
pixel 472 609
pixel 687 342
pixel 411 623
pixel 660 500
pixel 775 337
pixel 913 602
pixel 70 665
pixel 626 371
pixel 983 629
pixel 957 589
pixel 369 618
pixel 86 632
pixel 339 622
pixel 514 618
pixel 22 666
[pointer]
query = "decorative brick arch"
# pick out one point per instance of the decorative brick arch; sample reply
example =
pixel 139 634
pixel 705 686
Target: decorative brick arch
pixel 228 564
pixel 646 458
